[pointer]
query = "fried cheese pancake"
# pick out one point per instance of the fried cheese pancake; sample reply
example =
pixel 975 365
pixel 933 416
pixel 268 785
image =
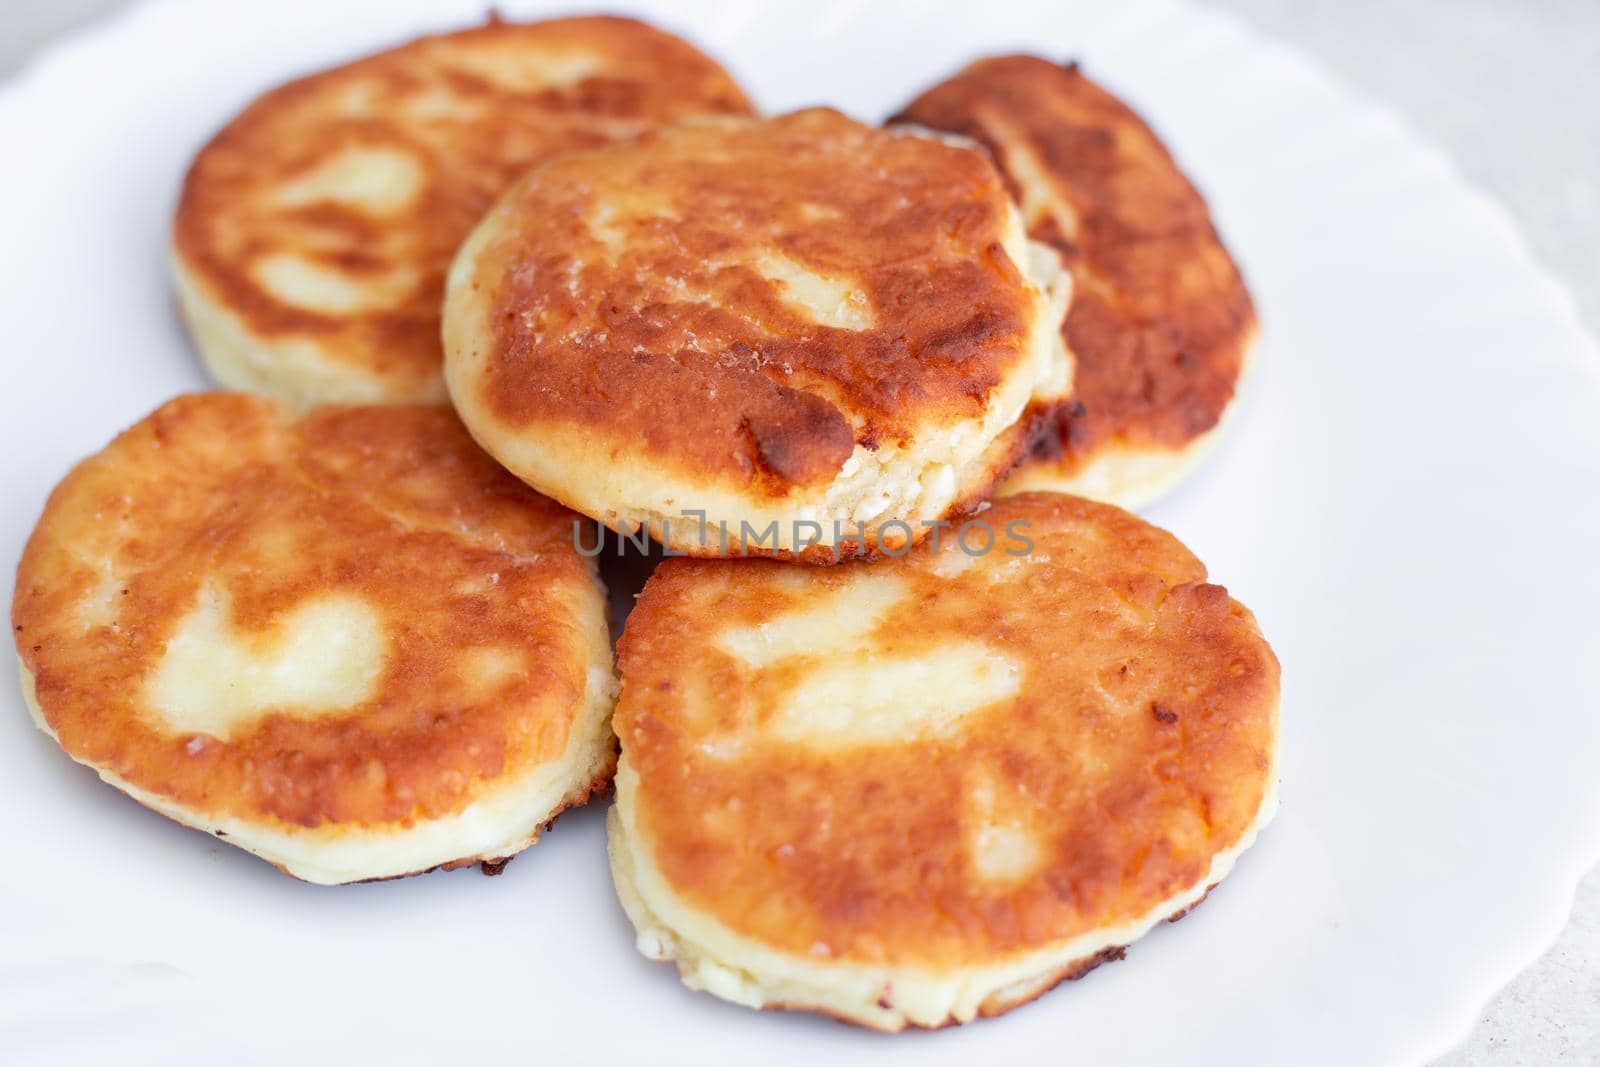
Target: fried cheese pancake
pixel 799 337
pixel 1161 323
pixel 912 792
pixel 312 239
pixel 347 642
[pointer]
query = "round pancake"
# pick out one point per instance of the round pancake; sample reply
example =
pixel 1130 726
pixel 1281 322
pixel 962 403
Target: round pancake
pixel 925 789
pixel 799 337
pixel 1161 322
pixel 347 642
pixel 314 232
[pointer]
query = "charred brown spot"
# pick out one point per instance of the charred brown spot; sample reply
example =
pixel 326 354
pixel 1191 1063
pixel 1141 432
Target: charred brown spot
pixel 804 442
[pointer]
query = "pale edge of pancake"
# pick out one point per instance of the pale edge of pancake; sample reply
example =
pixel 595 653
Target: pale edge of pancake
pixel 1131 477
pixel 497 825
pixel 941 466
pixel 294 369
pixel 742 970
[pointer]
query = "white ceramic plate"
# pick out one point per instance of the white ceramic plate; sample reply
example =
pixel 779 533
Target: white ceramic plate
pixel 1409 500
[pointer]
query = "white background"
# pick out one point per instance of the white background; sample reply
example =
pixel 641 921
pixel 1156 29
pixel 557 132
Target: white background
pixel 1510 91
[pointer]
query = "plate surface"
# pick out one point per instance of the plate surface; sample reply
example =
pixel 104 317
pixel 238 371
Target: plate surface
pixel 1408 499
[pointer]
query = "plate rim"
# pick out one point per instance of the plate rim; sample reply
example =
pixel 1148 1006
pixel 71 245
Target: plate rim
pixel 1521 943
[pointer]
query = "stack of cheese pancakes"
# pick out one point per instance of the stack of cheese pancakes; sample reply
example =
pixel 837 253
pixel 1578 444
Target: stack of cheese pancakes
pixel 913 736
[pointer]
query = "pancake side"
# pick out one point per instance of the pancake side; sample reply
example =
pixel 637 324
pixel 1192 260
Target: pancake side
pixel 1161 322
pixel 918 791
pixel 314 231
pixel 801 320
pixel 1122 472
pixel 346 642
pixel 713 959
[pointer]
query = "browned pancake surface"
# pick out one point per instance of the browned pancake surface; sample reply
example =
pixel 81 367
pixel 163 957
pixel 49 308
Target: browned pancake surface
pixel 470 577
pixel 371 173
pixel 1130 740
pixel 752 300
pixel 1160 318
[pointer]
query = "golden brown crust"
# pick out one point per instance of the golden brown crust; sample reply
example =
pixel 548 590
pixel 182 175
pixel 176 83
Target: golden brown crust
pixel 1160 319
pixel 1073 971
pixel 1000 1004
pixel 229 496
pixel 1136 750
pixel 461 115
pixel 645 292
pixel 493 866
